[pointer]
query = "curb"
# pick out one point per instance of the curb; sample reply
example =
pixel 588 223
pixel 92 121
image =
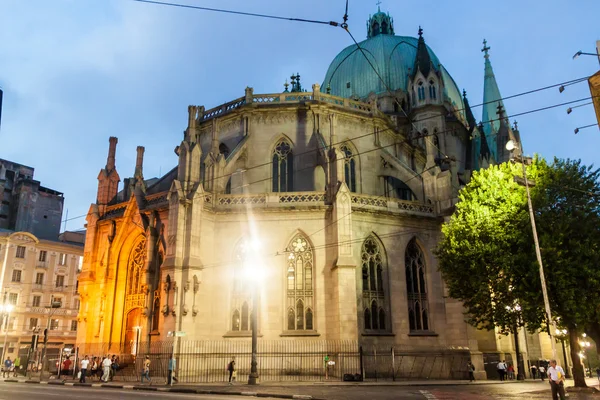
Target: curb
pixel 169 389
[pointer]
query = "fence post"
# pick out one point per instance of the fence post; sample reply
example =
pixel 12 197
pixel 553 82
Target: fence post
pixel 375 359
pixel 393 365
pixel 360 359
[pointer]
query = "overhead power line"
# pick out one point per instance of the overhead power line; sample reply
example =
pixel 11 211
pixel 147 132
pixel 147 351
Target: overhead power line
pixel 248 14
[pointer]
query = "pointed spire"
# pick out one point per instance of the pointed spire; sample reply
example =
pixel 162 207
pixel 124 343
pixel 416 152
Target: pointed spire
pixel 491 100
pixel 423 60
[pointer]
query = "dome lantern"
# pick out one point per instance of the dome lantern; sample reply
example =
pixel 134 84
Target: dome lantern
pixel 380 24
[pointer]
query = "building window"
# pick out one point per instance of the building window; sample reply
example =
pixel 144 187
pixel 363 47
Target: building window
pixel 79 263
pixel 39 278
pixel 37 300
pixel 53 324
pixel 43 255
pixel 76 304
pixel 374 293
pixel 421 91
pixel 349 168
pixel 20 252
pixel 74 325
pixel 60 281
pixel 300 285
pixel 13 298
pixel 283 167
pixel 416 288
pixel 223 149
pixel 395 188
pixel 240 293
pixel 33 323
pixel 12 322
pixel 62 259
pixel 137 262
pixel 16 275
pixel 432 94
pixel 57 300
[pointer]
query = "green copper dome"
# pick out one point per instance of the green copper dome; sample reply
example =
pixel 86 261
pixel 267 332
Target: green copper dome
pixel 350 75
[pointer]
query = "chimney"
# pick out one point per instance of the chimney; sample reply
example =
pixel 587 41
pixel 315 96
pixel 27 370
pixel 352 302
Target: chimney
pixel 112 150
pixel 139 162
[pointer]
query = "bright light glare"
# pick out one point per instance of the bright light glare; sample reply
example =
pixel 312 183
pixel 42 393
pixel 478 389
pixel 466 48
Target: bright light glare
pixel 6 308
pixel 510 145
pixel 254 271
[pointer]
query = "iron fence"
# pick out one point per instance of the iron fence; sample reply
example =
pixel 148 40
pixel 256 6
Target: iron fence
pixel 281 360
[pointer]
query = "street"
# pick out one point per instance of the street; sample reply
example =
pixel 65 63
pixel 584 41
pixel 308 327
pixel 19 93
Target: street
pixel 479 391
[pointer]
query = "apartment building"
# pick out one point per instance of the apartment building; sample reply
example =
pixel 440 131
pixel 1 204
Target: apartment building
pixel 34 273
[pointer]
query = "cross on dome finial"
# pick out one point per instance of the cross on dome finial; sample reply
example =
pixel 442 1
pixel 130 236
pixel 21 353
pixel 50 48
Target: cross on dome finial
pixel 485 49
pixel 464 93
pixel 378 8
pixel 420 31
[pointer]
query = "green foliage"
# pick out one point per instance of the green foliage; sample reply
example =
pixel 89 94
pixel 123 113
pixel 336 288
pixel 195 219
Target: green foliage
pixel 487 254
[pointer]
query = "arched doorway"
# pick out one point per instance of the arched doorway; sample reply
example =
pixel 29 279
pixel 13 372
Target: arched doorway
pixel 133 331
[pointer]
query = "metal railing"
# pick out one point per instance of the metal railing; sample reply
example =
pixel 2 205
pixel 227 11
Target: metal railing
pixel 282 360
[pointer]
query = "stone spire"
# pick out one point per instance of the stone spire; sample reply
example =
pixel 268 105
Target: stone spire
pixel 422 60
pixel 491 99
pixel 108 178
pixel 380 24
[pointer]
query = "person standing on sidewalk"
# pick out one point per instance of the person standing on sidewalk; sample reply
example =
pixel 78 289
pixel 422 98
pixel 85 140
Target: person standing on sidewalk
pixel 501 367
pixel 84 367
pixel 7 367
pixel 146 371
pixel 106 363
pixel 231 370
pixel 556 377
pixel 533 371
pixel 542 372
pixel 471 369
pixel 17 365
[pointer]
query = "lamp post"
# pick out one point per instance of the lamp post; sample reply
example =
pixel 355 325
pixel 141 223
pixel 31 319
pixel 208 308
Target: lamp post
pixel 5 309
pixel 253 269
pixel 138 330
pixel 561 334
pixel 54 305
pixel 583 355
pixel 513 145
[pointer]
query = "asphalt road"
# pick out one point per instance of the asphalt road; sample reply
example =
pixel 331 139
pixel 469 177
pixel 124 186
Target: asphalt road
pixel 27 391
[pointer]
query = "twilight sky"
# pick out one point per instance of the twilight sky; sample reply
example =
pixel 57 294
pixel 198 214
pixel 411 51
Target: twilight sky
pixel 75 72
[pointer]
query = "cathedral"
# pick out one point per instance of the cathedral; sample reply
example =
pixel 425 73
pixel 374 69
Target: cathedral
pixel 328 202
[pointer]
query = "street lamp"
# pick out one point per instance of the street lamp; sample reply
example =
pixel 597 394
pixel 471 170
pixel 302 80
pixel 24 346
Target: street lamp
pixel 517 321
pixel 138 330
pixel 5 310
pixel 561 334
pixel 54 305
pixel 513 145
pixel 585 345
pixel 254 272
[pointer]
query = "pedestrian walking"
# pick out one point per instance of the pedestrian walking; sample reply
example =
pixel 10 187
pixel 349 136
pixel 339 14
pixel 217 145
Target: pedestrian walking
pixel 7 367
pixel 232 371
pixel 84 367
pixel 501 367
pixel 17 366
pixel 171 370
pixel 471 369
pixel 328 364
pixel 542 372
pixel 146 371
pixel 556 377
pixel 106 363
pixel 598 374
pixel 533 371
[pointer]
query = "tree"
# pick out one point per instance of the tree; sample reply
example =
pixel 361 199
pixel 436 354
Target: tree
pixel 487 254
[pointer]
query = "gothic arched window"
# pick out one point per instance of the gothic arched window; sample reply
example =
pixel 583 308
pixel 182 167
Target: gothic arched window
pixel 421 91
pixel 395 188
pixel 135 273
pixel 240 292
pixel 416 287
pixel 375 29
pixel 300 285
pixel 384 28
pixel 374 293
pixel 283 167
pixel 349 167
pixel 432 94
pixel 223 149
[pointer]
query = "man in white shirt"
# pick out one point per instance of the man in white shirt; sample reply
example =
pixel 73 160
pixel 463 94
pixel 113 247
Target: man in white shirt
pixel 501 367
pixel 556 377
pixel 106 368
pixel 84 367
